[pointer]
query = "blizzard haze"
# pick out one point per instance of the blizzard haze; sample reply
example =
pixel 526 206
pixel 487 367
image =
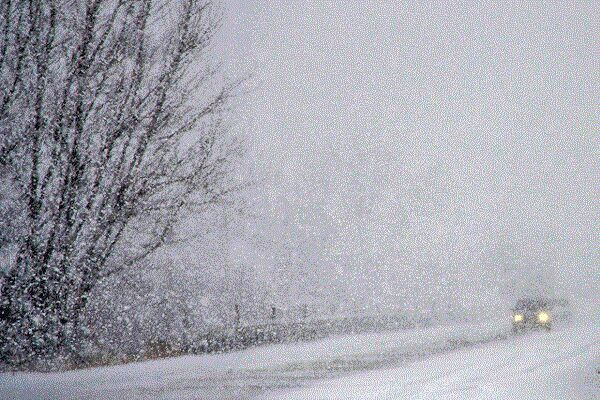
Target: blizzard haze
pixel 425 151
pixel 231 199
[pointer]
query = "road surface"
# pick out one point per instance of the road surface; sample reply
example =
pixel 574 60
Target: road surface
pixel 563 364
pixel 476 361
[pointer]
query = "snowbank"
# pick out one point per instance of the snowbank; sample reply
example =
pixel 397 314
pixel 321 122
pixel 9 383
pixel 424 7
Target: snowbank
pixel 250 372
pixel 476 360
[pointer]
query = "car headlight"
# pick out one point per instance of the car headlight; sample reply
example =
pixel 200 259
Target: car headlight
pixel 543 316
pixel 518 317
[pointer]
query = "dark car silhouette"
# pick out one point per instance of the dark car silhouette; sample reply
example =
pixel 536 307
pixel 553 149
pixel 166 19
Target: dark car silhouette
pixel 532 313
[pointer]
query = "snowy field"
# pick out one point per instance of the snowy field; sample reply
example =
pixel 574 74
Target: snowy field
pixel 479 361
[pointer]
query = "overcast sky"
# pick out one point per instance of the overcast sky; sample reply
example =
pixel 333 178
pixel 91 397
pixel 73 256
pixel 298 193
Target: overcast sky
pixel 408 135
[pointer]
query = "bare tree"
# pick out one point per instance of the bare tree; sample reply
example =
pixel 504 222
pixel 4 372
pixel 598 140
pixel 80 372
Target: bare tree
pixel 111 128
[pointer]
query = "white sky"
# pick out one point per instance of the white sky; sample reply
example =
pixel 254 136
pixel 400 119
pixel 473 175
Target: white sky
pixel 397 129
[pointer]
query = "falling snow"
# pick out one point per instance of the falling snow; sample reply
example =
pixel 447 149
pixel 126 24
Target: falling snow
pixel 305 199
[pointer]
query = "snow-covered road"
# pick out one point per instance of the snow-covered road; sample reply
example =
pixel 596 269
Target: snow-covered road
pixel 563 364
pixel 477 361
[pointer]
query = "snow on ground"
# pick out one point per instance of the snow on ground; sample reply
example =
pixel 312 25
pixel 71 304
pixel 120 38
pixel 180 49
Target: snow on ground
pixel 477 360
pixel 244 374
pixel 563 364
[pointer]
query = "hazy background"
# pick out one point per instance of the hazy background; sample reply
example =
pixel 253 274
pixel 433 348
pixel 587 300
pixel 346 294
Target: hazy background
pixel 419 155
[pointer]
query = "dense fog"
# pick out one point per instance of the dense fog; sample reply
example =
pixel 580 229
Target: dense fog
pixel 199 176
pixel 420 152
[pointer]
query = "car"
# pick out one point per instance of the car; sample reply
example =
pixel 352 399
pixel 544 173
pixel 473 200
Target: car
pixel 532 313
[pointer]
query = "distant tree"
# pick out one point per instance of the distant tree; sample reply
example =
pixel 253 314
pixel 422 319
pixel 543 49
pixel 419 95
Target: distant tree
pixel 111 128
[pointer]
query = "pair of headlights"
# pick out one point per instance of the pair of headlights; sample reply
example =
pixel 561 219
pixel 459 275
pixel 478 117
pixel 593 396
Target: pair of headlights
pixel 542 317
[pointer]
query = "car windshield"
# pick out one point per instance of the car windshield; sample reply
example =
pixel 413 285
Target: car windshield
pixel 531 304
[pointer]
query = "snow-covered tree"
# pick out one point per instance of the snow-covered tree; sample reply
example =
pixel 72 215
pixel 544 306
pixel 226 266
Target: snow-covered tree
pixel 111 129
